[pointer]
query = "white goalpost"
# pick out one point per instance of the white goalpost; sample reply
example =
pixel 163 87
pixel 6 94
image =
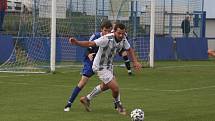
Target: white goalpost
pixel 152 34
pixel 42 44
pixel 53 37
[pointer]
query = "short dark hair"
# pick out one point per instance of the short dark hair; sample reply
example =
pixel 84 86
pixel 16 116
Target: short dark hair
pixel 119 25
pixel 106 24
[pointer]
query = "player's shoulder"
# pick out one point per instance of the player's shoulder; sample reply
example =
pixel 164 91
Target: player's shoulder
pixel 95 35
pixel 110 36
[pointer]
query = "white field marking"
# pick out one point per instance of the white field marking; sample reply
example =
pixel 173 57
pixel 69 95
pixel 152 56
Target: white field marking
pixel 176 90
pixel 133 89
pixel 16 83
pixel 12 76
pixel 37 74
pixel 21 75
pixel 77 70
pixel 184 66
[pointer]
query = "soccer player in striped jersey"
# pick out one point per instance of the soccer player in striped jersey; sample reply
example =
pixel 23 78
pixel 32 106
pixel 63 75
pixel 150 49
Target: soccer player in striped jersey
pixel 124 54
pixel 109 46
pixel 87 71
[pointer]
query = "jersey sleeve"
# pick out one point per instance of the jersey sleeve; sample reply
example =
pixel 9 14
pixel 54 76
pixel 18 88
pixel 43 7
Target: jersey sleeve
pixel 102 41
pixel 93 37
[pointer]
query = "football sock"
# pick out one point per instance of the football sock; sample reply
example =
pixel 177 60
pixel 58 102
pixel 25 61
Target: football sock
pixel 74 94
pixel 117 99
pixel 94 92
pixel 127 63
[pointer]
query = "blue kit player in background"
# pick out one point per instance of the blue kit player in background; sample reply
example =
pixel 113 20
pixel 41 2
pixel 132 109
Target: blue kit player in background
pixel 87 71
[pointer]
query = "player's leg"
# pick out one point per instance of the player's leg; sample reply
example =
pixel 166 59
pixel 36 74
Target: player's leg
pixel 75 92
pixel 109 79
pixel 113 85
pixel 85 100
pixel 124 55
pixel 97 90
pixel 87 72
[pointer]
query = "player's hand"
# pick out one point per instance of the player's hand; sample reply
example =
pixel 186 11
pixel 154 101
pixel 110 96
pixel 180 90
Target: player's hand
pixel 73 41
pixel 90 56
pixel 137 66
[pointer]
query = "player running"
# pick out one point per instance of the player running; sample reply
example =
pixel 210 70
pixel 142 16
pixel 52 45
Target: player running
pixel 109 45
pixel 87 71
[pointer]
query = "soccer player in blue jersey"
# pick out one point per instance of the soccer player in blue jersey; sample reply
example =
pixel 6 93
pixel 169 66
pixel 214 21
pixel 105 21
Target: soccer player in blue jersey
pixel 87 71
pixel 109 45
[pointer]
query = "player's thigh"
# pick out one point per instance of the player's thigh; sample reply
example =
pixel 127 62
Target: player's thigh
pixel 87 70
pixel 105 75
pixel 113 85
pixel 103 86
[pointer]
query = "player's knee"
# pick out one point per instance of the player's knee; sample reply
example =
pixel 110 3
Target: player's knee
pixel 115 90
pixel 82 83
pixel 81 86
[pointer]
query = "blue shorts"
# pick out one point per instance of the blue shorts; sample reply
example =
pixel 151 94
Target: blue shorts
pixel 87 69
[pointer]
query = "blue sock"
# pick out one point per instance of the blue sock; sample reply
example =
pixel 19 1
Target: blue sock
pixel 74 94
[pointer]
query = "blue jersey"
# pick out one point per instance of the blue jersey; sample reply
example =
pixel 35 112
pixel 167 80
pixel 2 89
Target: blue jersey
pixel 87 69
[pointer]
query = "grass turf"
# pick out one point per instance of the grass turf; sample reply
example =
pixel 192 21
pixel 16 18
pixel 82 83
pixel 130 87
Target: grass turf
pixel 172 91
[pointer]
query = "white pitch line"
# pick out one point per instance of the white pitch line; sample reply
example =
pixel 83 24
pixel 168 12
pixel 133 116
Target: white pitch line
pixel 133 89
pixel 16 83
pixel 176 90
pixel 37 74
pixel 184 66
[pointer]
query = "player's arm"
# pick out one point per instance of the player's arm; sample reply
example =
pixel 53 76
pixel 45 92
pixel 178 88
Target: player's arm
pixel 91 51
pixel 136 64
pixel 74 41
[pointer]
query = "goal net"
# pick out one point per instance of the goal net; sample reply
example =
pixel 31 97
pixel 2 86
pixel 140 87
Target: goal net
pixel 81 18
pixel 32 43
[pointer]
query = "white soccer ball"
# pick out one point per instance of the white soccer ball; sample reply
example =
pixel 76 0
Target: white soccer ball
pixel 137 115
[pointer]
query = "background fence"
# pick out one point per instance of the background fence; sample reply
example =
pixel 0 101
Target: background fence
pixel 30 25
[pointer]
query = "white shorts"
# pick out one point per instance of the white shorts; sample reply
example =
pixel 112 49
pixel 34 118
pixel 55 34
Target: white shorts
pixel 106 75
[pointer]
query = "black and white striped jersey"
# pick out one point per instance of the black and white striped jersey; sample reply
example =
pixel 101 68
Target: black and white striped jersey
pixel 108 48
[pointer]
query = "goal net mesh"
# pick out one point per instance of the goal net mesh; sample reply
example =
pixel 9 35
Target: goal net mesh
pixel 81 18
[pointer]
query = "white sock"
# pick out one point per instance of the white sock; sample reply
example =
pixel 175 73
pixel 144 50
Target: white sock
pixel 94 92
pixel 129 71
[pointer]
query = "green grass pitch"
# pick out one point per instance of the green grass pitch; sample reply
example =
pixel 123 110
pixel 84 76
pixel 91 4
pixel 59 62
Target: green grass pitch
pixel 172 91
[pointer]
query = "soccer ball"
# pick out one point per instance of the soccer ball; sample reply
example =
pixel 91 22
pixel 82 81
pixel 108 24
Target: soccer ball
pixel 137 115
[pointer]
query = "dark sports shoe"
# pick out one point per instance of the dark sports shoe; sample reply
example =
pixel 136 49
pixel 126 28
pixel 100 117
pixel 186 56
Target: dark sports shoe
pixel 86 103
pixel 130 73
pixel 115 105
pixel 120 108
pixel 67 107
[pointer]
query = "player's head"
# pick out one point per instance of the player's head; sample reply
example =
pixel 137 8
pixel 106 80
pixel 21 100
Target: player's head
pixel 106 27
pixel 119 31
